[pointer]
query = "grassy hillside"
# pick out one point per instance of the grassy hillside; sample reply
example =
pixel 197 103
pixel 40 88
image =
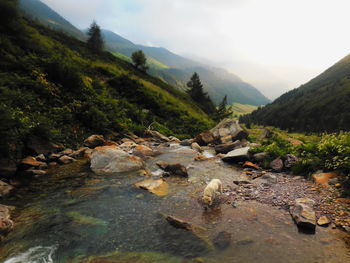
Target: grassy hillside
pixel 170 67
pixel 53 86
pixel 241 109
pixel 38 10
pixel 320 105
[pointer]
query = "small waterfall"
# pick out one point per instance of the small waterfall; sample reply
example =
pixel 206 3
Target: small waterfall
pixel 37 254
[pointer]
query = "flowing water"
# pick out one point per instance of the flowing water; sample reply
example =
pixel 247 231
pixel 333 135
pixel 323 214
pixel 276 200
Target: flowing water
pixel 75 214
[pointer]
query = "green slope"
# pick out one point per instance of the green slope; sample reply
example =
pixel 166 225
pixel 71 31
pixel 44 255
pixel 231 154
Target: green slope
pixel 320 105
pixel 170 67
pixel 241 109
pixel 51 85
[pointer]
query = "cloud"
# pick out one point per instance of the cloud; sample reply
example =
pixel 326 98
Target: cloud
pixel 275 44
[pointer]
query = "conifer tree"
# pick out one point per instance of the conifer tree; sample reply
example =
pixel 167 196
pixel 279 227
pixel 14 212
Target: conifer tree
pixel 95 40
pixel 222 111
pixel 199 96
pixel 140 61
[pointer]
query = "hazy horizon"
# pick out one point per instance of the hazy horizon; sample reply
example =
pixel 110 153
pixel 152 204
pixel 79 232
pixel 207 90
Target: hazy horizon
pixel 276 45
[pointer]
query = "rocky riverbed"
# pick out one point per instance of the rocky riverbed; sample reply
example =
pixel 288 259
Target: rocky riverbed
pixel 139 200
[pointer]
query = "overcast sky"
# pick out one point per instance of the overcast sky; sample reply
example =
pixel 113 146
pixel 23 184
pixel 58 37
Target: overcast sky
pixel 275 45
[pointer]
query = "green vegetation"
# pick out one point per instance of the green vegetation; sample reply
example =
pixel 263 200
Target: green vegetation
pixel 327 152
pixel 139 60
pixel 53 86
pixel 321 105
pixel 242 109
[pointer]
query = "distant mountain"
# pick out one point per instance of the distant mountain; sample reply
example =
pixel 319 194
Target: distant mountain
pixel 49 17
pixel 170 67
pixel 178 70
pixel 320 105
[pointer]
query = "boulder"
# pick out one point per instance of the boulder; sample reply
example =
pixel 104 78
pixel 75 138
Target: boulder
pixel 41 158
pixel 67 151
pixel 113 160
pixel 240 154
pixel 229 127
pixel 205 138
pixel 173 169
pixel 156 135
pixel 227 147
pixel 186 142
pixel 222 240
pixel 277 165
pixel 323 178
pixel 5 189
pixel 174 139
pixel 260 156
pixel 195 146
pixel 303 214
pixel 323 221
pixel 128 146
pixel 290 160
pixel 94 141
pixel 143 151
pixel 79 153
pixel 158 187
pixel 29 162
pixel 66 159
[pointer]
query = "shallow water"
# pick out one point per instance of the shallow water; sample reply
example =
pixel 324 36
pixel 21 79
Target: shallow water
pixel 75 213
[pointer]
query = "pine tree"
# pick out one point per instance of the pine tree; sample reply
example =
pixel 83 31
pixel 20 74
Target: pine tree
pixel 222 111
pixel 140 61
pixel 95 41
pixel 199 96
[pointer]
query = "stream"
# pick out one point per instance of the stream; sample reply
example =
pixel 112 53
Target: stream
pixel 76 216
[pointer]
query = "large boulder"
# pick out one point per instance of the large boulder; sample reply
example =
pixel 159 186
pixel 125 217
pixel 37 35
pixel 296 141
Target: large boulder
pixel 205 138
pixel 229 130
pixel 241 154
pixel 5 189
pixel 303 213
pixel 107 160
pixel 94 141
pixel 195 146
pixel 227 147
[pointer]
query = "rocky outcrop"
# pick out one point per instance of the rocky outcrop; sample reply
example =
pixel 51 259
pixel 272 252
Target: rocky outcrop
pixel 227 147
pixel 277 165
pixel 107 160
pixel 173 169
pixel 205 138
pixel 303 213
pixel 241 154
pixel 228 130
pixel 94 141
